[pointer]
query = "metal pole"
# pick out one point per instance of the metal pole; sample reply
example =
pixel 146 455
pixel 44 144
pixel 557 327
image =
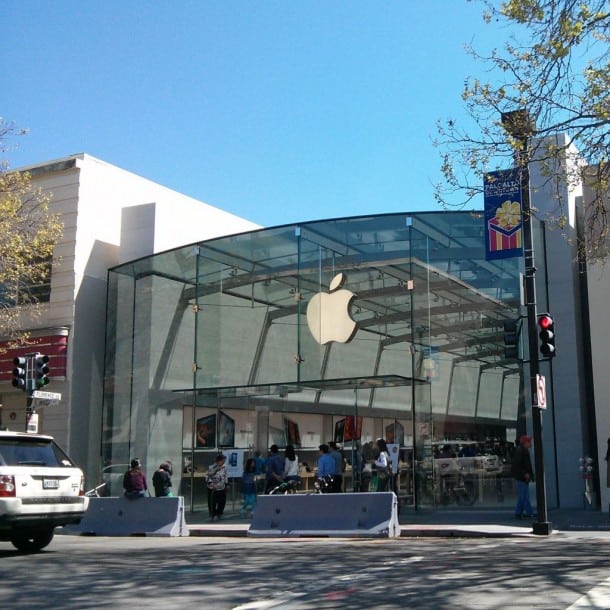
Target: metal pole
pixel 30 386
pixel 519 125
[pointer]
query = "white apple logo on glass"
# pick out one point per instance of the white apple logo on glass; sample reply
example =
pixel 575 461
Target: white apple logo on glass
pixel 328 313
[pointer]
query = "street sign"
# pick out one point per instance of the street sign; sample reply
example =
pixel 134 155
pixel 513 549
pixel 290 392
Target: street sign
pixel 541 391
pixel 32 427
pixel 47 395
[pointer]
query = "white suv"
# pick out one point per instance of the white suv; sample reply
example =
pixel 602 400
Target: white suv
pixel 40 489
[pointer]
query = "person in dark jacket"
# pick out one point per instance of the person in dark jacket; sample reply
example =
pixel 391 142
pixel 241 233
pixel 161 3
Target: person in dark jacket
pixel 523 473
pixel 134 481
pixel 162 480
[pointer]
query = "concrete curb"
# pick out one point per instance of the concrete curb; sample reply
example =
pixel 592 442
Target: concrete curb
pixel 416 531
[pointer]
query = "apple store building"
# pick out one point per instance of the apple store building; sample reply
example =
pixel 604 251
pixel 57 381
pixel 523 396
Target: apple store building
pixel 350 330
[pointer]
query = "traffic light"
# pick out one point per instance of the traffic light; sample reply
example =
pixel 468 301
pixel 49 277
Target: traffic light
pixel 511 339
pixel 41 370
pixel 547 334
pixel 20 372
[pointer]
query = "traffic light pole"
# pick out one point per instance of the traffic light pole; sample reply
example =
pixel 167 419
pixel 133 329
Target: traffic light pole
pixel 542 525
pixel 30 373
pixel 30 386
pixel 518 125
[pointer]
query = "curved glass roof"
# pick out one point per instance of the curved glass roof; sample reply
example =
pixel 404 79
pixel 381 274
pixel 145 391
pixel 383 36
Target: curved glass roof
pixel 459 298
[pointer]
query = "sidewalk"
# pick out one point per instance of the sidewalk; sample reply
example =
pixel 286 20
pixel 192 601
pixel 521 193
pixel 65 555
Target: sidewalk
pixel 441 523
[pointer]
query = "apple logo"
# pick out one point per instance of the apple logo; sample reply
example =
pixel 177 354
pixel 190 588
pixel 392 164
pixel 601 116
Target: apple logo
pixel 328 314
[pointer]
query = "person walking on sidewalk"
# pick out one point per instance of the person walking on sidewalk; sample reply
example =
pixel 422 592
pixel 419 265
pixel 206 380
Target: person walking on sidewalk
pixel 523 473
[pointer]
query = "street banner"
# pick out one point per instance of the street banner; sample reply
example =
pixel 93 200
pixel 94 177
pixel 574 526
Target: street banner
pixel 503 220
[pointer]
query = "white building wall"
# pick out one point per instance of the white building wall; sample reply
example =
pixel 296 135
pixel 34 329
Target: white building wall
pixel 599 296
pixel 565 372
pixel 92 197
pixel 598 293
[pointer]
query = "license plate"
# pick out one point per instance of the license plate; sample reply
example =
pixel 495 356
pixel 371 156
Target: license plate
pixel 50 483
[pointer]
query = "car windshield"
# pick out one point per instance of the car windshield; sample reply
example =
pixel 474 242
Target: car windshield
pixel 32 452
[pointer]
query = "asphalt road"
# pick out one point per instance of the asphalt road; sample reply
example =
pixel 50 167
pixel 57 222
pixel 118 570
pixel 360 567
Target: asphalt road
pixel 252 574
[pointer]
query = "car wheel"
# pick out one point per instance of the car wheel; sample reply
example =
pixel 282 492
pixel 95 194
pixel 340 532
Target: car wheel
pixel 32 540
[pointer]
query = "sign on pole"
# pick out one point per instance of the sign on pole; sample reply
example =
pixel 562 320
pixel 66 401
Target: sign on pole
pixel 47 395
pixel 541 391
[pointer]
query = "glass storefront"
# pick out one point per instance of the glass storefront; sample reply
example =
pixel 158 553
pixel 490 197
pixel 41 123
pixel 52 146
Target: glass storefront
pixel 254 339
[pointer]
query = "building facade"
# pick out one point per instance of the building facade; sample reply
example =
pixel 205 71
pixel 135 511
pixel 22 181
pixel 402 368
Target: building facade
pixel 351 329
pixel 109 216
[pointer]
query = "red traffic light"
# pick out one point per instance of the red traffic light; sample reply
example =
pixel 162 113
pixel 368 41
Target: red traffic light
pixel 547 334
pixel 545 321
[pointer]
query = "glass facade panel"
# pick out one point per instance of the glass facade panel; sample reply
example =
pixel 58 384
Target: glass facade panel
pixel 350 329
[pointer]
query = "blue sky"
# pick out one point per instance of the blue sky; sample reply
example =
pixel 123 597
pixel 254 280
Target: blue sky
pixel 278 111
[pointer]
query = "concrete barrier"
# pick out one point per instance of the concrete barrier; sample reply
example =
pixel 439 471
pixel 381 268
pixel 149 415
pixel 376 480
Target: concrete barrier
pixel 333 515
pixel 139 517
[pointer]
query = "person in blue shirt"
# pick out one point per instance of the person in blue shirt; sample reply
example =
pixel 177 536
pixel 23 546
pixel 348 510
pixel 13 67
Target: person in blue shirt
pixel 248 488
pixel 274 469
pixel 326 463
pixel 259 472
pixel 260 462
pixel 335 453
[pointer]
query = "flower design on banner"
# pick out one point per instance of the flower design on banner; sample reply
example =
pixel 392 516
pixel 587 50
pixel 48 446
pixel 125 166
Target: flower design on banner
pixel 508 214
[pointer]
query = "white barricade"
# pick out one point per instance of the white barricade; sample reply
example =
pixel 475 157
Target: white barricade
pixel 138 517
pixel 342 514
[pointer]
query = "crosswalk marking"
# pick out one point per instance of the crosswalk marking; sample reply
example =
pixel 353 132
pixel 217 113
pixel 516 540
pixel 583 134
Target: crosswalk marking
pixel 598 598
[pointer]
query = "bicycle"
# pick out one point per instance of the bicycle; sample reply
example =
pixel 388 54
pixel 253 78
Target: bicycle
pixel 95 492
pixel 323 485
pixel 285 488
pixel 455 489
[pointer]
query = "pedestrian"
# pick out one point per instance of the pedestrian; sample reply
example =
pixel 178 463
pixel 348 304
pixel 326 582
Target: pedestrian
pixel 521 471
pixel 217 487
pixel 607 458
pixel 291 464
pixel 260 463
pixel 357 467
pixel 335 453
pixel 274 469
pixel 134 481
pixel 162 480
pixel 326 467
pixel 259 473
pixel 382 466
pixel 248 488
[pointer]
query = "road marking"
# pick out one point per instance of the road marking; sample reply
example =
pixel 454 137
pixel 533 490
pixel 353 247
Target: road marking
pixel 258 605
pixel 598 598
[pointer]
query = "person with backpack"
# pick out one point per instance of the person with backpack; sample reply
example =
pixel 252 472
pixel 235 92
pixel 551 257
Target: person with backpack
pixel 216 481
